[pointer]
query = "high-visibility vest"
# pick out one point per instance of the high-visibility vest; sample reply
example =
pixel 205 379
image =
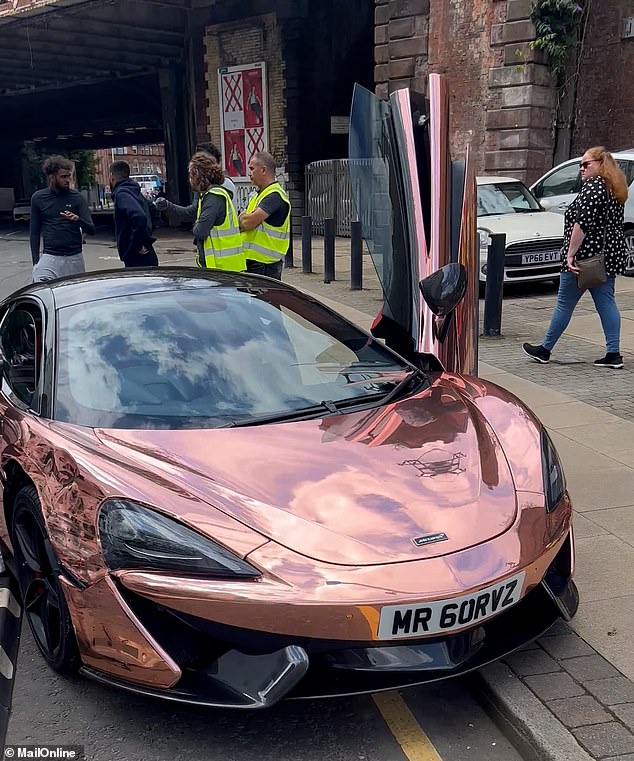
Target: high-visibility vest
pixel 265 243
pixel 223 246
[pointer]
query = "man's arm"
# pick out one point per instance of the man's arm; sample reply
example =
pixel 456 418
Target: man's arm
pixel 138 225
pixel 35 232
pixel 85 218
pixel 213 212
pixel 265 208
pixel 252 220
pixel 178 215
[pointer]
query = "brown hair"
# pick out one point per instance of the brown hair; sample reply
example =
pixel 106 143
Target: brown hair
pixel 54 164
pixel 204 172
pixel 613 176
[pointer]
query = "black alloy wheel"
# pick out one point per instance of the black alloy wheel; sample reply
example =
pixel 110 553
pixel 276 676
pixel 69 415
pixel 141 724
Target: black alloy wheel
pixel 42 595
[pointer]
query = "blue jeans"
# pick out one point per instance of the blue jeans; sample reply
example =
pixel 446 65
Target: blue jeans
pixel 567 299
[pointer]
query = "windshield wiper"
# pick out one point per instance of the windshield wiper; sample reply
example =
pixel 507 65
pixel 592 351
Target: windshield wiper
pixel 416 375
pixel 303 413
pixel 329 407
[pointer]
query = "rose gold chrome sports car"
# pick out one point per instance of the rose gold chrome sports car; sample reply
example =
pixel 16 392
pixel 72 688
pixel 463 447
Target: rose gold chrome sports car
pixel 217 490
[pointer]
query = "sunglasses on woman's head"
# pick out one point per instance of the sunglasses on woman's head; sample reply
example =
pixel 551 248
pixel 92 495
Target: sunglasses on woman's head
pixel 586 164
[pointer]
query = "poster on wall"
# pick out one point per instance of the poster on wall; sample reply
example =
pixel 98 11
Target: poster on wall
pixel 244 116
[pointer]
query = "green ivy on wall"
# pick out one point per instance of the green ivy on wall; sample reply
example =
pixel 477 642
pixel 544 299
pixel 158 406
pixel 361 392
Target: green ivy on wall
pixel 557 24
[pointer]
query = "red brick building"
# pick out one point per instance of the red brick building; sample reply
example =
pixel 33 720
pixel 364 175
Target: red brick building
pixel 504 99
pixel 143 159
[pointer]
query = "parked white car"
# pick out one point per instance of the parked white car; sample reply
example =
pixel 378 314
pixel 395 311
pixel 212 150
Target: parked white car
pixel 558 188
pixel 534 237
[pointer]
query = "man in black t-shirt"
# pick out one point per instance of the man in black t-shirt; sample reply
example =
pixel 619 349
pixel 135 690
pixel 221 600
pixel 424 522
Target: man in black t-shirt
pixel 59 214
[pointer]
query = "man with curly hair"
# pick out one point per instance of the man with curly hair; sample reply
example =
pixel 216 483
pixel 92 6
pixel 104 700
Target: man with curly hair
pixel 187 214
pixel 59 214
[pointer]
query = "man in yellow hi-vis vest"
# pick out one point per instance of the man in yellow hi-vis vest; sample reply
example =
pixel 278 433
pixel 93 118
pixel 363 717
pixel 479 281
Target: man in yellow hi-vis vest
pixel 266 223
pixel 217 230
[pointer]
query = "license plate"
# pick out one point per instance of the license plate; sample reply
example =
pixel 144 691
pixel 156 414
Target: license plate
pixel 541 257
pixel 398 621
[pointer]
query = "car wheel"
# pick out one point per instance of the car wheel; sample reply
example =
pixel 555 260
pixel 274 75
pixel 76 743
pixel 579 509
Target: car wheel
pixel 629 245
pixel 42 594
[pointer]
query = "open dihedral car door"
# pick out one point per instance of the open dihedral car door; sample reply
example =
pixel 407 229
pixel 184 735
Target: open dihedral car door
pixel 418 213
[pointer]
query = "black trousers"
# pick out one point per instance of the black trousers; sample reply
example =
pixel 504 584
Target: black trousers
pixel 270 270
pixel 142 260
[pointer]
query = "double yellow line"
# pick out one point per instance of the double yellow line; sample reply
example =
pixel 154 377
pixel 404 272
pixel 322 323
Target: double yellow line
pixel 403 725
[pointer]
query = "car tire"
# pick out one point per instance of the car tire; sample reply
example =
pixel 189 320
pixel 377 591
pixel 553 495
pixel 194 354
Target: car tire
pixel 629 244
pixel 38 576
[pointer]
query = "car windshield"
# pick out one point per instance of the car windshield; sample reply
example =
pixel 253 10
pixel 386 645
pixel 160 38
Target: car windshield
pixel 212 357
pixel 505 198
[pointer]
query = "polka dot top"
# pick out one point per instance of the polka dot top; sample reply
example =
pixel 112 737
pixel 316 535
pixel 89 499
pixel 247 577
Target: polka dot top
pixel 600 216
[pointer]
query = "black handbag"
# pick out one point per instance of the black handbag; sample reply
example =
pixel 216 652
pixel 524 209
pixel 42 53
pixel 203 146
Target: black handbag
pixel 592 271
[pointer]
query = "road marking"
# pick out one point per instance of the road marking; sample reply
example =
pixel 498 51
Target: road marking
pixel 403 725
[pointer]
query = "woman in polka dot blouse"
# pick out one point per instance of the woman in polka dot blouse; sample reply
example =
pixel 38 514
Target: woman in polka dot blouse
pixel 593 225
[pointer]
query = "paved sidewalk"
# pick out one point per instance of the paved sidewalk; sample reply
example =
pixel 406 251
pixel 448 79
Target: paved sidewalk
pixel 584 672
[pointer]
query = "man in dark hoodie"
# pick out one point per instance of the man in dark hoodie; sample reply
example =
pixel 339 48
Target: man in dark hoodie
pixel 132 220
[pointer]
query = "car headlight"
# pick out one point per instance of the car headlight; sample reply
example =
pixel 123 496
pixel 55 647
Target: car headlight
pixel 134 537
pixel 553 473
pixel 485 242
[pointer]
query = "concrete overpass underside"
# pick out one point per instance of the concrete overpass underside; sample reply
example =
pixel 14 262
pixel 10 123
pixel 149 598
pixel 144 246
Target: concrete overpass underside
pixel 95 73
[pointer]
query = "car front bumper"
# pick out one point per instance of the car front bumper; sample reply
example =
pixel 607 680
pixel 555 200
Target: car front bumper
pixel 233 667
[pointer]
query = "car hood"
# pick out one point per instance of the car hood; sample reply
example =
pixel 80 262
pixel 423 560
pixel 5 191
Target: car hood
pixel 522 227
pixel 354 489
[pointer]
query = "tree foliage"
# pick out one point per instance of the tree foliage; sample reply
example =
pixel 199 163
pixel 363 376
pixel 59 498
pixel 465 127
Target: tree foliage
pixel 85 165
pixel 557 25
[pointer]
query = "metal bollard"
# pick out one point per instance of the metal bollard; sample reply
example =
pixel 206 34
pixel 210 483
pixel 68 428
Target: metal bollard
pixel 289 263
pixel 356 256
pixel 329 250
pixel 307 245
pixel 494 291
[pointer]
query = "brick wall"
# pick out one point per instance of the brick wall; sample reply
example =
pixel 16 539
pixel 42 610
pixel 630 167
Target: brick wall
pixel 605 103
pixel 249 41
pixel 459 48
pixel 521 114
pixel 401 37
pixel 502 94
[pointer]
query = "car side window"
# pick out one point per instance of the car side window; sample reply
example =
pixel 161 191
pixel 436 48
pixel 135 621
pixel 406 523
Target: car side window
pixel 627 167
pixel 562 182
pixel 20 349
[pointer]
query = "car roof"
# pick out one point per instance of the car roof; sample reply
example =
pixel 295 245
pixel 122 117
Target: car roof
pixel 94 286
pixel 625 154
pixel 494 179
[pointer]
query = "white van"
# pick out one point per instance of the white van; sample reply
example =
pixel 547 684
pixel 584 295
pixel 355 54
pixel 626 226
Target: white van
pixel 150 183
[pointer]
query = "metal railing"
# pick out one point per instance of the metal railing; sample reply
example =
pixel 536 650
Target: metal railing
pixel 329 196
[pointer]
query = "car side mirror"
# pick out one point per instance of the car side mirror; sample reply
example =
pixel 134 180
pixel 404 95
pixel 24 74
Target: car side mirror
pixel 444 289
pixel 546 203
